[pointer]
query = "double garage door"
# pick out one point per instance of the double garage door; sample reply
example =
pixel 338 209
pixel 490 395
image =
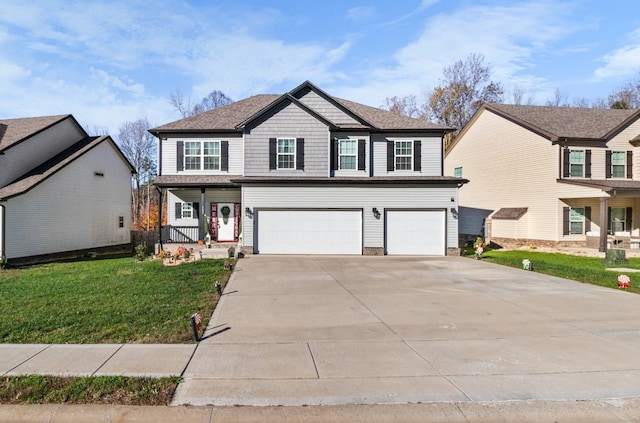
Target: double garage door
pixel 412 232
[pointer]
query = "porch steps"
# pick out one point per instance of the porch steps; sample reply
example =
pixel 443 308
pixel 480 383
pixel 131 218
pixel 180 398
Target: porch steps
pixel 215 252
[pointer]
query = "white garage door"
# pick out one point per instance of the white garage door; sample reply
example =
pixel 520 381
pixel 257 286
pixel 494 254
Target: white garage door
pixel 420 232
pixel 309 232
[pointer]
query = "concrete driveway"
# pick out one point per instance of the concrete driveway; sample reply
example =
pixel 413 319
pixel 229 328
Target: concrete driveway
pixel 310 330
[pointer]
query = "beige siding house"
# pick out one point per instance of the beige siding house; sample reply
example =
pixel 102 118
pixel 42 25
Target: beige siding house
pixel 62 193
pixel 547 175
pixel 308 173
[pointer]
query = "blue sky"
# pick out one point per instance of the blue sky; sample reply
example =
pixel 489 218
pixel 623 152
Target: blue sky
pixel 107 62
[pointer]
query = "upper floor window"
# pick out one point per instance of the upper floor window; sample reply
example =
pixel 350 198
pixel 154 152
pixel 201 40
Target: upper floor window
pixel 618 164
pixel 286 153
pixel 457 172
pixel 404 155
pixel 347 153
pixel 576 163
pixel 202 155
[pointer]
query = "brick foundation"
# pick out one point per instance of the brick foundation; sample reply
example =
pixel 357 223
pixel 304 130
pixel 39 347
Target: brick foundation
pixel 518 243
pixel 453 251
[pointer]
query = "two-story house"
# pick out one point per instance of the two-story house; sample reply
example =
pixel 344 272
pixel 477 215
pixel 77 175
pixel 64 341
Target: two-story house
pixel 62 192
pixel 308 173
pixel 549 175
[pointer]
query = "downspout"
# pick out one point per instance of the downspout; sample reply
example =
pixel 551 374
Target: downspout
pixel 3 252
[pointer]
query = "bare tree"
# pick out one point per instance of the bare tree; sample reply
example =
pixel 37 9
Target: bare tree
pixel 405 106
pixel 139 146
pixel 560 99
pixel 184 104
pixel 626 97
pixel 517 96
pixel 180 103
pixel 466 85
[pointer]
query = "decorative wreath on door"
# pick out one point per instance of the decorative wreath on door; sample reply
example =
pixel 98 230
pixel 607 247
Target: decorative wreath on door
pixel 226 211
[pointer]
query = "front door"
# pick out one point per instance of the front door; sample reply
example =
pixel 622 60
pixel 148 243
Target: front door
pixel 226 222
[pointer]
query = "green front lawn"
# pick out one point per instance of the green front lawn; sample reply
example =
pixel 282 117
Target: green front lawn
pixel 107 301
pixel 583 269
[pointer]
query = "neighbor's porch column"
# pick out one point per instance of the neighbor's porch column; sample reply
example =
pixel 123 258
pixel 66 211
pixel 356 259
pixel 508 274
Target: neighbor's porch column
pixel 201 215
pixel 604 218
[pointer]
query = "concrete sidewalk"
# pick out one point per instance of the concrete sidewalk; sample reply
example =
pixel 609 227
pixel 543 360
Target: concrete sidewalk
pixel 150 360
pixel 603 411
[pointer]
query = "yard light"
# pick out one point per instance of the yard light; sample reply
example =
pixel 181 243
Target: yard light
pixel 219 287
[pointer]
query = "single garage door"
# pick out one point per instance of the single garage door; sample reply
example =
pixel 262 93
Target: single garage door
pixel 415 232
pixel 309 232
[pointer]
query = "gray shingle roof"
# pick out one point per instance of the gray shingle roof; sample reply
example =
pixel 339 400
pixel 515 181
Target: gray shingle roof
pixel 17 130
pixel 565 122
pixel 510 213
pixel 50 167
pixel 227 118
pixel 194 180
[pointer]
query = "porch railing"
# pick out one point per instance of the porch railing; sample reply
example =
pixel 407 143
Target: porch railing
pixel 180 234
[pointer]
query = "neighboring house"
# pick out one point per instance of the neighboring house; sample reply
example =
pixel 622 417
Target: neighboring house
pixel 549 175
pixel 62 192
pixel 308 173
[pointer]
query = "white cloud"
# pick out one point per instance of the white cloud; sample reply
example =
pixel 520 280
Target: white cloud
pixel 623 61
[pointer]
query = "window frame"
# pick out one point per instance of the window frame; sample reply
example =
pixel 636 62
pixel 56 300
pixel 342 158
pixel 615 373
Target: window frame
pixel 353 155
pixel 201 156
pixel 457 172
pixel 404 156
pixel 623 222
pixel 581 219
pixel 187 206
pixel 573 163
pixel 289 156
pixel 623 166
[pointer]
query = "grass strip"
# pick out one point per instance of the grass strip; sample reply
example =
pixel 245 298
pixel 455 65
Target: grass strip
pixel 590 270
pixel 87 390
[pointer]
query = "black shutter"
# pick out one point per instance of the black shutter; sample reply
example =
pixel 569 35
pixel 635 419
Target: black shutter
pixel 273 153
pixel 178 210
pixel 334 154
pixel 627 226
pixel 300 153
pixel 587 164
pixel 391 156
pixel 362 154
pixel 417 156
pixel 565 221
pixel 196 210
pixel 565 163
pixel 180 156
pixel 587 219
pixel 607 164
pixel 629 164
pixel 224 156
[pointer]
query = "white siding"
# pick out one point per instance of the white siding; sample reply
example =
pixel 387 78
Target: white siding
pixel 353 197
pixel 74 209
pixel 236 153
pixel 37 150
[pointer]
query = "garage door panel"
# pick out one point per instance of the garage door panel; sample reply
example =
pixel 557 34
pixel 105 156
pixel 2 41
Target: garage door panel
pixel 309 232
pixel 415 232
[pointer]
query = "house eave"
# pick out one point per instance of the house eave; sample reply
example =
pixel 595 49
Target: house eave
pixel 374 180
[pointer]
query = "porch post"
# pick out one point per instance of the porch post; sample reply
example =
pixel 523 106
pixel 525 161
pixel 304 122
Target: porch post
pixel 201 215
pixel 604 218
pixel 159 216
